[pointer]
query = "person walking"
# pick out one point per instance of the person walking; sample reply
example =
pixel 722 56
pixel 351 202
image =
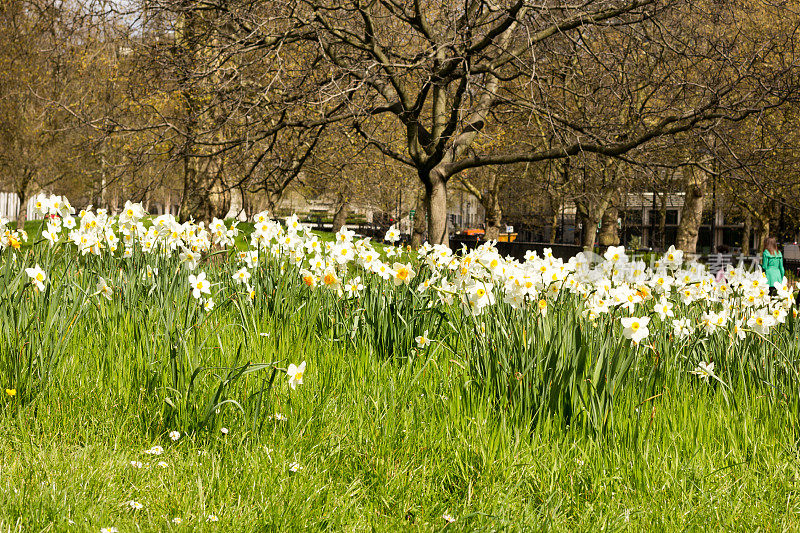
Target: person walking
pixel 772 264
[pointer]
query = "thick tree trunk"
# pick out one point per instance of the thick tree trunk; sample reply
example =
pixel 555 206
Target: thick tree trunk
pixel 692 214
pixel 436 204
pixel 589 232
pixel 203 196
pixel 608 231
pixel 236 208
pixel 418 232
pixel 748 230
pixel 591 214
pixel 340 217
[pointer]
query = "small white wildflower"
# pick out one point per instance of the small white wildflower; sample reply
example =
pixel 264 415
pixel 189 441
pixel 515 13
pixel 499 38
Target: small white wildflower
pixel 295 467
pixel 448 518
pixel 174 435
pixel 162 464
pixel 212 518
pixel 136 464
pixel 224 431
pixel 135 505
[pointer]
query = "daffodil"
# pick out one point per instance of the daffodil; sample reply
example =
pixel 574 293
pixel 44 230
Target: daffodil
pixel 295 374
pixel 635 328
pixel 242 276
pixel 403 274
pixel 199 285
pixel 37 276
pixel 704 370
pixel 103 289
pixel 423 341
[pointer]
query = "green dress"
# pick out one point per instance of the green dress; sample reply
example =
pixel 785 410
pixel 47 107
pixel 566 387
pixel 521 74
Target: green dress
pixel 772 265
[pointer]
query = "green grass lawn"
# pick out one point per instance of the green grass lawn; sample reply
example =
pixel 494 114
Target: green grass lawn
pixel 389 447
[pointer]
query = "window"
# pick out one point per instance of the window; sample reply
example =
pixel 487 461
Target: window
pixel 672 216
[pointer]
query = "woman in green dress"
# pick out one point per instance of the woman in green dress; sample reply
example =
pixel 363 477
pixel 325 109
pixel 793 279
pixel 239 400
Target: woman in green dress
pixel 772 264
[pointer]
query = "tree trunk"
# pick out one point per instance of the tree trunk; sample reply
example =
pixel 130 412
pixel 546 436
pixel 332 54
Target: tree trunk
pixel 553 229
pixel 236 208
pixel 22 213
pixel 692 214
pixel 198 188
pixel 591 214
pixel 491 206
pixel 589 232
pixel 748 230
pixel 340 217
pixel 555 207
pixel 436 204
pixel 418 232
pixel 763 232
pixel 662 224
pixel 608 231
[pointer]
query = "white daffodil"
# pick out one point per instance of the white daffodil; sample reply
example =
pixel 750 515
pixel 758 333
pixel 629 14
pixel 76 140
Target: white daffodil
pixel 704 370
pixel 664 309
pixel 103 289
pixel 761 322
pixel 354 287
pixel 242 276
pixel 37 275
pixel 635 328
pixel 423 341
pixel 199 285
pixel 392 235
pixel 295 374
pixel 682 327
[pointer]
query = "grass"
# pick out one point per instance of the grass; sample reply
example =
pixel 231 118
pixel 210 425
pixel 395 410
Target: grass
pixel 387 436
pixel 391 452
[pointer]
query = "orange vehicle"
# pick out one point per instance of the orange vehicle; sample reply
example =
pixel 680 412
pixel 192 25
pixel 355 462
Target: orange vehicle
pixel 472 232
